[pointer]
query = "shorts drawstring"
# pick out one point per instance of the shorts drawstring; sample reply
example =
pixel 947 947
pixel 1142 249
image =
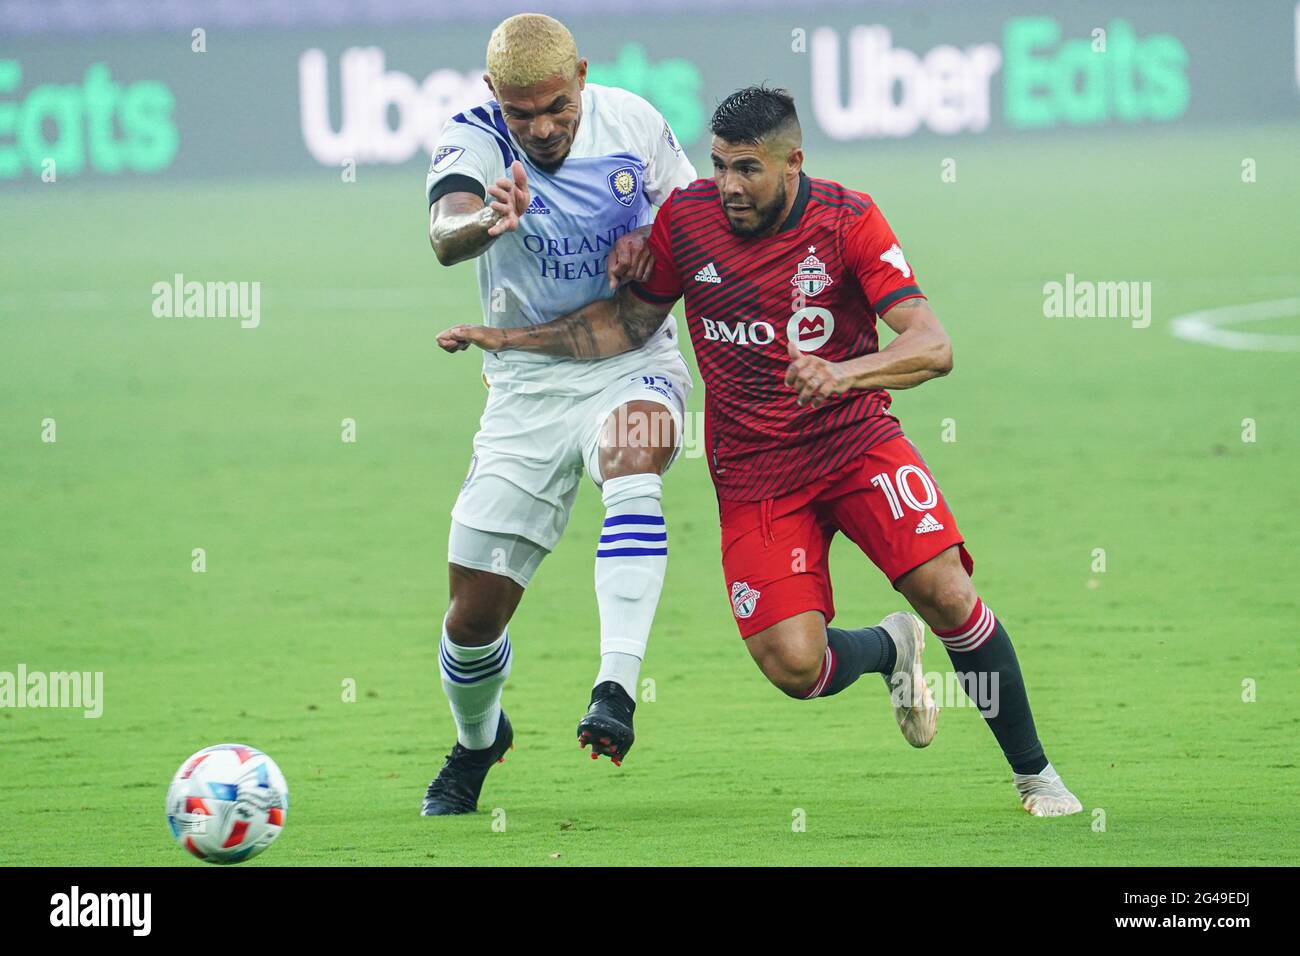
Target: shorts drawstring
pixel 765 521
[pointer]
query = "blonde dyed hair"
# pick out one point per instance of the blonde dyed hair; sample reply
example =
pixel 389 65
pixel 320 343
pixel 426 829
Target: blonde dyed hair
pixel 528 48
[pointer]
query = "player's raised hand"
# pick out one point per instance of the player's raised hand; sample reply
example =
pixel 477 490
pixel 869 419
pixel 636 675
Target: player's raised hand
pixel 510 199
pixel 460 337
pixel 813 379
pixel 630 259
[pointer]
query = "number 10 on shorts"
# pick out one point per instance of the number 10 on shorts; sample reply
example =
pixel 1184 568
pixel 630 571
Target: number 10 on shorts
pixel 900 489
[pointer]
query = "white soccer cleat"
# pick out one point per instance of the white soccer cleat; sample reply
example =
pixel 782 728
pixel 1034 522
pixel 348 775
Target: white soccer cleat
pixel 1044 794
pixel 914 707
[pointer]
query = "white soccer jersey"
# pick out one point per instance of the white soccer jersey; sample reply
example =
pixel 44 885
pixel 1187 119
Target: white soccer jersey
pixel 624 161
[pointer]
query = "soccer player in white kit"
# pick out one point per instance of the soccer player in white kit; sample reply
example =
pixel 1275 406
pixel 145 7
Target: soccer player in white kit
pixel 550 188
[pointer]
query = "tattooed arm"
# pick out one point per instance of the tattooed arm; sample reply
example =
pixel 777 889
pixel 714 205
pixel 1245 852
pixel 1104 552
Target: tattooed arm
pixel 603 328
pixel 458 227
pixel 462 226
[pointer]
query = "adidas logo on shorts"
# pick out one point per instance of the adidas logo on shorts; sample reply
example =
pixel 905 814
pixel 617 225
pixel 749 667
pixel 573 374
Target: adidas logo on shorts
pixel 928 524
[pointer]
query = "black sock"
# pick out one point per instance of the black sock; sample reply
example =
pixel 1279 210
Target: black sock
pixel 849 655
pixel 982 654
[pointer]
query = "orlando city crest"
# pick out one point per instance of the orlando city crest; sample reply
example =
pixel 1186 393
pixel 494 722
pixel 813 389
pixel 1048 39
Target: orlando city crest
pixel 811 275
pixel 623 183
pixel 744 599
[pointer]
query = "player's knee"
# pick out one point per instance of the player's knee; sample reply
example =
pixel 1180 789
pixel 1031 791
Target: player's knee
pixel 637 438
pixel 790 669
pixel 951 600
pixel 473 625
pixel 619 462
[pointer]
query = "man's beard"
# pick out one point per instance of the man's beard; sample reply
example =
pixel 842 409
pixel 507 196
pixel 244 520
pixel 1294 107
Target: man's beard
pixel 548 167
pixel 552 165
pixel 767 215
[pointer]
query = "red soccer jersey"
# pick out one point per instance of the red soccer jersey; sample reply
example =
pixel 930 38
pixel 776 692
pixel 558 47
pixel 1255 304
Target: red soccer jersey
pixel 821 280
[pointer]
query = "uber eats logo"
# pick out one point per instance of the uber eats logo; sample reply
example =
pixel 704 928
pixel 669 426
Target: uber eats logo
pixel 883 89
pixel 59 129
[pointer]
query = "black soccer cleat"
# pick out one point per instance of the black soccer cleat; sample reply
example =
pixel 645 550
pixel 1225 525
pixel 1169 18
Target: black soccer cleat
pixel 608 723
pixel 456 788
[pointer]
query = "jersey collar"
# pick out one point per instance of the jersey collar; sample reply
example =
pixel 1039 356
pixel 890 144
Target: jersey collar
pixel 800 203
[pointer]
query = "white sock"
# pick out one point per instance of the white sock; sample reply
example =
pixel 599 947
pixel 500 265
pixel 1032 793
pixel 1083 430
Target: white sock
pixel 620 667
pixel 472 678
pixel 631 559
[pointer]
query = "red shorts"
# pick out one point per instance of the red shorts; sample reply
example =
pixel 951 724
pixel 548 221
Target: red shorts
pixel 774 552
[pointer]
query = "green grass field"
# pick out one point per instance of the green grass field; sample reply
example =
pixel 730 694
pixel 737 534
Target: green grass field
pixel 326 560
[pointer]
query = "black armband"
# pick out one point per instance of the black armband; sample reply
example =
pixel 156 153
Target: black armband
pixel 456 184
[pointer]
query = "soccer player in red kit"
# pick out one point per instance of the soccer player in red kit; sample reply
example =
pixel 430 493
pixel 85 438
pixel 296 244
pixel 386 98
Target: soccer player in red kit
pixel 784 278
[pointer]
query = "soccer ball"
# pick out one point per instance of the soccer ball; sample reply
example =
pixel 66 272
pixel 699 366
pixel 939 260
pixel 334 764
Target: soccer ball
pixel 227 803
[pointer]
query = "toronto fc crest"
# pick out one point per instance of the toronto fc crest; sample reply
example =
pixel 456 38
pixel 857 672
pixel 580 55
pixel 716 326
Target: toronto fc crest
pixel 811 275
pixel 743 599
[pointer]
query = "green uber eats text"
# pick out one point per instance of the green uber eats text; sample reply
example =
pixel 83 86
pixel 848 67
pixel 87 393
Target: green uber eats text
pixel 110 126
pixel 1079 83
pixel 672 86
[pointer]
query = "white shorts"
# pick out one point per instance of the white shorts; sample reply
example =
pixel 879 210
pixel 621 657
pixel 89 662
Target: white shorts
pixel 531 449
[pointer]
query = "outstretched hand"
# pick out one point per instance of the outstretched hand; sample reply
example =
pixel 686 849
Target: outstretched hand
pixel 460 337
pixel 509 199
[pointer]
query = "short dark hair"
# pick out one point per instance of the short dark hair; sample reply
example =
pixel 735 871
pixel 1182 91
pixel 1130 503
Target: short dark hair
pixel 752 114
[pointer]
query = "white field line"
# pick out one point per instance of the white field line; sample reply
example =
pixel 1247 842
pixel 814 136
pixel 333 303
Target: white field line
pixel 1207 326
